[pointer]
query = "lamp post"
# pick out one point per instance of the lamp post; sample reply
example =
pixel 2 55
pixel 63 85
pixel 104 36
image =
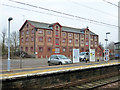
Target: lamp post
pixel 9 19
pixel 106 38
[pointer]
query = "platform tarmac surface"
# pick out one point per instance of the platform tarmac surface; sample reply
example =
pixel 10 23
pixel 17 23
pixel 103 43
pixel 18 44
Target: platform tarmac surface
pixel 55 68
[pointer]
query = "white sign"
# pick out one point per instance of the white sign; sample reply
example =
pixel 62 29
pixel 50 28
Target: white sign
pixel 75 55
pixel 36 52
pixel 92 55
pixel 106 55
pixel 57 50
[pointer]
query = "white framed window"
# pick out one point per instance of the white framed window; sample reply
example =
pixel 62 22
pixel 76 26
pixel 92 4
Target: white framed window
pixel 86 43
pixel 40 31
pixel 26 38
pixel 27 32
pixel 32 39
pixel 70 35
pixel 32 31
pixel 63 34
pixel 49 39
pixel 49 32
pixel 64 49
pixel 70 41
pixel 63 40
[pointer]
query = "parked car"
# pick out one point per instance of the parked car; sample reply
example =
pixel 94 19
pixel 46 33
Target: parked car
pixel 84 56
pixel 58 59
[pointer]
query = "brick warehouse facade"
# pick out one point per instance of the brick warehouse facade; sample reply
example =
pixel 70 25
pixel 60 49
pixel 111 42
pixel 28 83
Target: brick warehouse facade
pixel 43 39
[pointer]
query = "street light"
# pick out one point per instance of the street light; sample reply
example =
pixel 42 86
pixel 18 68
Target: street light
pixel 106 38
pixel 9 19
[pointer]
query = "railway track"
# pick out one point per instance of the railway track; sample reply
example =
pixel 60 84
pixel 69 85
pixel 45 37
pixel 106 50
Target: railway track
pixel 95 84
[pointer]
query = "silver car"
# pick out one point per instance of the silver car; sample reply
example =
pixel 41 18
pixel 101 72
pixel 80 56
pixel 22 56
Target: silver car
pixel 58 59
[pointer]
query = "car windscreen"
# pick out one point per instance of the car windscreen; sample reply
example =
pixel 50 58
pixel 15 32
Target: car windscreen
pixel 62 57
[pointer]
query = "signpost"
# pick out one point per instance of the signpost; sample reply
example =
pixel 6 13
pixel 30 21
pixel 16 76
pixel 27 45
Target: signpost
pixel 106 55
pixel 92 55
pixel 75 55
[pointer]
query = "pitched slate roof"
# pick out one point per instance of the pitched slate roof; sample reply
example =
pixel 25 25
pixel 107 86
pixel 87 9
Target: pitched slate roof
pixel 64 28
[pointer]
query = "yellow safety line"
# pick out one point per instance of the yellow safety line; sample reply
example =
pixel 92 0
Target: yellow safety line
pixel 46 67
pixel 30 68
pixel 46 70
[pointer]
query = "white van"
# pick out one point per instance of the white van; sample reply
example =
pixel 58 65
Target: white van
pixel 83 56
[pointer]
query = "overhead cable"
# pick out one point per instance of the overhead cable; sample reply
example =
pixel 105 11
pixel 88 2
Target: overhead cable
pixel 62 13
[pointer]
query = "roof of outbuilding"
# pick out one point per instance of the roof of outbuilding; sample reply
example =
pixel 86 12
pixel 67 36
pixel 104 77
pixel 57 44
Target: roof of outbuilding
pixel 64 28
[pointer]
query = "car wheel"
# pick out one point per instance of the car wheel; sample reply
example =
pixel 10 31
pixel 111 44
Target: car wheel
pixel 60 63
pixel 49 64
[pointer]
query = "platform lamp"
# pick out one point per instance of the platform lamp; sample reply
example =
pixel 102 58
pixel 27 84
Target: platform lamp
pixel 9 19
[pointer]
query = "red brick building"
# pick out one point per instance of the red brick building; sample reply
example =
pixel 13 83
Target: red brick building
pixel 43 39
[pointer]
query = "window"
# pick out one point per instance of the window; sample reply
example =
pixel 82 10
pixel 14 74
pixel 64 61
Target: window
pixel 63 40
pixel 26 49
pixel 32 31
pixel 86 43
pixel 22 32
pixel 27 32
pixel 56 32
pixel 70 41
pixel 82 36
pixel 40 31
pixel 70 35
pixel 91 43
pixel 49 39
pixel 27 39
pixel 82 49
pixel 40 49
pixel 76 35
pixel 56 27
pixel 40 39
pixel 64 49
pixel 76 41
pixel 57 50
pixel 63 34
pixel 70 49
pixel 21 48
pixel 95 43
pixel 32 39
pixel 21 39
pixel 49 32
pixel 49 49
pixel 57 41
pixel 82 41
pixel 95 37
pixel 31 49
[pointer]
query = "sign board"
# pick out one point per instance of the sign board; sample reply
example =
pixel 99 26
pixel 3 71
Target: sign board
pixel 53 50
pixel 75 55
pixel 92 55
pixel 57 50
pixel 106 55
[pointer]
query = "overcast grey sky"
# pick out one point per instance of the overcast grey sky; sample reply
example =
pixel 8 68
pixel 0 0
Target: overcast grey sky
pixel 98 10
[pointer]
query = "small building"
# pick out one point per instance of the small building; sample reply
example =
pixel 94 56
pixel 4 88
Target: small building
pixel 44 39
pixel 117 50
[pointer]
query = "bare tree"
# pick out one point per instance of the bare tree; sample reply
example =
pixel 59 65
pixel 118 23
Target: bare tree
pixel 3 43
pixel 15 40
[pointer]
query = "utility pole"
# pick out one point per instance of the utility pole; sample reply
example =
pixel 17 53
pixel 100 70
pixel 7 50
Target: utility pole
pixel 9 19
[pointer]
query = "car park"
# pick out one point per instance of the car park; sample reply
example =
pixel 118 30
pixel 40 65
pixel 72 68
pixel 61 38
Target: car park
pixel 84 56
pixel 58 59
